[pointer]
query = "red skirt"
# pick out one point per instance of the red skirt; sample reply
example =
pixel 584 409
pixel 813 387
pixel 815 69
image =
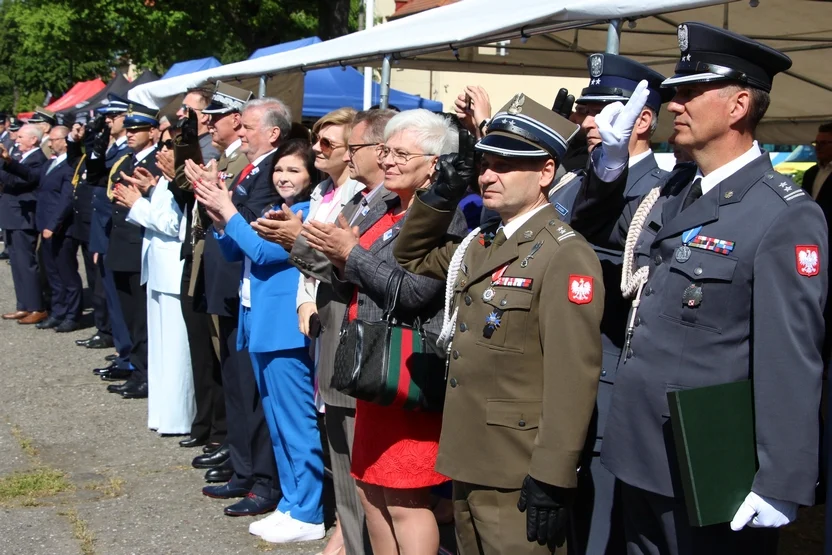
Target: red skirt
pixel 394 448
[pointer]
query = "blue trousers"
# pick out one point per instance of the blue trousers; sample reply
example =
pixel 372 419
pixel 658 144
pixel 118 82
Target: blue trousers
pixel 285 381
pixel 118 325
pixel 61 265
pixel 21 244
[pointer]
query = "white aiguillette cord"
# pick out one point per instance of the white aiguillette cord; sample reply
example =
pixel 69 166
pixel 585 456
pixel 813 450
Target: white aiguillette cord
pixel 632 282
pixel 448 318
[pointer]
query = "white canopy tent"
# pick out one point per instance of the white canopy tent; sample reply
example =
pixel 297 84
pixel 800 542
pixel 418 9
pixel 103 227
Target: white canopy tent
pixel 554 37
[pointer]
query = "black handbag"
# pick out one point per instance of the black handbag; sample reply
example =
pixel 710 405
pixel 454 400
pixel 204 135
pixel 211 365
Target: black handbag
pixel 389 362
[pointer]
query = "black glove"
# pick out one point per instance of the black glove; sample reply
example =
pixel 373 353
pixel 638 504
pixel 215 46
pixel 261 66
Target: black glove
pixel 94 126
pixel 101 142
pixel 190 129
pixel 563 103
pixel 546 509
pixel 454 174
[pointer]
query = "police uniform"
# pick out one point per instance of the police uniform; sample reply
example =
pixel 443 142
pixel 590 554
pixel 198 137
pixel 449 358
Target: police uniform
pixel 598 523
pixel 735 289
pixel 526 351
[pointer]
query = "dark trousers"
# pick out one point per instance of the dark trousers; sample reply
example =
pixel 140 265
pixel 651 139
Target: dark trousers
pixel 95 282
pixel 209 421
pixel 596 524
pixel 133 298
pixel 118 325
pixel 60 263
pixel 658 525
pixel 22 248
pixel 252 456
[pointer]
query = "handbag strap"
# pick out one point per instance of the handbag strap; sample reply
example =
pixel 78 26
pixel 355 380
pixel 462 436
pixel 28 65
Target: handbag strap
pixel 391 296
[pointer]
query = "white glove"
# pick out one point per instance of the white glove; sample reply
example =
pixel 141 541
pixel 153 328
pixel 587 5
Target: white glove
pixel 763 512
pixel 615 125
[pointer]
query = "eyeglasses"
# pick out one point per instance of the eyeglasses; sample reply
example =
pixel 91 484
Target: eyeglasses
pixel 355 148
pixel 168 144
pixel 401 157
pixel 185 108
pixel 326 145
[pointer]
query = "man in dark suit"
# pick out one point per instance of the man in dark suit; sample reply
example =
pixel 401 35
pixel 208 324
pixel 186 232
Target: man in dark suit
pixel 17 216
pixel 265 122
pixel 59 247
pixel 124 254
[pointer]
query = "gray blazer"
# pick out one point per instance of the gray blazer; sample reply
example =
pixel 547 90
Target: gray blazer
pixel 370 270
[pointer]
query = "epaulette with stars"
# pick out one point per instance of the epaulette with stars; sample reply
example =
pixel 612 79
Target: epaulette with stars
pixel 785 187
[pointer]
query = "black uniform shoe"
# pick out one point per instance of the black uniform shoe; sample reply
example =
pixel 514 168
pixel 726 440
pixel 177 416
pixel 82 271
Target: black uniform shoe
pixel 83 342
pixel 118 387
pixel 189 442
pixel 105 370
pixel 221 473
pixel 111 358
pixel 116 375
pixel 212 459
pixel 68 326
pixel 4 255
pixel 135 391
pixel 48 324
pixel 99 341
pixel 252 505
pixel 211 447
pixel 225 491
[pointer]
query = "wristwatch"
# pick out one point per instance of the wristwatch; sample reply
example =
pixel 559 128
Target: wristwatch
pixel 483 124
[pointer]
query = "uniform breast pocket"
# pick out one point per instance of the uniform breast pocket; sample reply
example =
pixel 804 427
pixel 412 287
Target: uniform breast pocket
pixel 506 320
pixel 698 291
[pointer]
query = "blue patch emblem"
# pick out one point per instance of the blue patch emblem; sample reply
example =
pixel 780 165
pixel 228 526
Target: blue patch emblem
pixel 561 209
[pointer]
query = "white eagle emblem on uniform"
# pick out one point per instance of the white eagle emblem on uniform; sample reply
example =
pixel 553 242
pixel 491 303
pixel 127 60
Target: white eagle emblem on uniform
pixel 808 260
pixel 580 289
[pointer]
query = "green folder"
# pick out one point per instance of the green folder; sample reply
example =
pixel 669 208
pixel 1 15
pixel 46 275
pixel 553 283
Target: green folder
pixel 713 430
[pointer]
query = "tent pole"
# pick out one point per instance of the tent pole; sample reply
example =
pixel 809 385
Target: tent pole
pixel 385 82
pixel 369 20
pixel 613 36
pixel 262 91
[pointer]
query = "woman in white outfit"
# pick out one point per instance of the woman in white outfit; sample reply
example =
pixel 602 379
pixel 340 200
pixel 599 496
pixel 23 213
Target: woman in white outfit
pixel 171 405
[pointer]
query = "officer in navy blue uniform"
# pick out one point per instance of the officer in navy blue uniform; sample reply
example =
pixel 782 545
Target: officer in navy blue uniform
pixel 124 255
pixel 19 181
pixel 59 248
pixel 731 285
pixel 598 526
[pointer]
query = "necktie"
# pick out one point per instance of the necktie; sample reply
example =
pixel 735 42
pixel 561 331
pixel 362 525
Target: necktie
pixel 497 242
pixel 244 173
pixel 52 166
pixel 694 193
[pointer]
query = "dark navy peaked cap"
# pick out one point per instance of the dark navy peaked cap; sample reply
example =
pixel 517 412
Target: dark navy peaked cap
pixel 614 78
pixel 139 116
pixel 115 105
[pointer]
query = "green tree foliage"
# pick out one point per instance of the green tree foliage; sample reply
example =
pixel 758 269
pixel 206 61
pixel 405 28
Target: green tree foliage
pixel 48 45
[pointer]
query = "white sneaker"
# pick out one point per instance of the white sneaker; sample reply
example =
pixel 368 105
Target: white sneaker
pixel 258 527
pixel 290 530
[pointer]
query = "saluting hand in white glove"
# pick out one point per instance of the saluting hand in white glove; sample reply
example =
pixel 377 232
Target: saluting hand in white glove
pixel 763 512
pixel 615 125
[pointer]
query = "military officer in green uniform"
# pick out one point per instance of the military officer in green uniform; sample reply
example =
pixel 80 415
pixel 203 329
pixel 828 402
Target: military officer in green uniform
pixel 524 304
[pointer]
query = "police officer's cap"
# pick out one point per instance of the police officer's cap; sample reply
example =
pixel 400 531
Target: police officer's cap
pixel 14 124
pixel 139 116
pixel 2 118
pixel 713 54
pixel 42 115
pixel 227 98
pixel 114 105
pixel 613 78
pixel 524 128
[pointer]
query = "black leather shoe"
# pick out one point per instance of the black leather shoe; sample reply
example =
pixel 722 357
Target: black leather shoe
pixel 211 447
pixel 189 442
pixel 221 473
pixel 4 255
pixel 105 370
pixel 83 342
pixel 118 387
pixel 252 505
pixel 212 459
pixel 116 375
pixel 225 491
pixel 68 326
pixel 99 341
pixel 48 324
pixel 135 391
pixel 110 358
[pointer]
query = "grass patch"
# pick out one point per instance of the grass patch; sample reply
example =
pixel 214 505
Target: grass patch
pixel 263 545
pixel 110 488
pixel 81 531
pixel 41 482
pixel 25 443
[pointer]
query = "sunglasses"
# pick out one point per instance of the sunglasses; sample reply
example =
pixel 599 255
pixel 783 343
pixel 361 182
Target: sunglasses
pixel 327 146
pixel 168 144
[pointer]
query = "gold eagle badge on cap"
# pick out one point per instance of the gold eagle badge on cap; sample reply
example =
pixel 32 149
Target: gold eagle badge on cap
pixel 516 105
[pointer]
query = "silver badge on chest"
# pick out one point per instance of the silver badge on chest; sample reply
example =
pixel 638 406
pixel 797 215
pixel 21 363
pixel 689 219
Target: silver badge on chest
pixel 488 294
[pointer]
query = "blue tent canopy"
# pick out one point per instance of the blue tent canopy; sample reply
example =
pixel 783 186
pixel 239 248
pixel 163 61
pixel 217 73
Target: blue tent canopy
pixel 325 90
pixel 191 66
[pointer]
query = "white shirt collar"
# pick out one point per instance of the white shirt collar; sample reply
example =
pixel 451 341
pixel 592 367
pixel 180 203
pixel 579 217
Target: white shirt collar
pixel 639 157
pixel 517 222
pixel 121 140
pixel 261 158
pixel 143 154
pixel 27 154
pixel 60 159
pixel 721 174
pixel 233 147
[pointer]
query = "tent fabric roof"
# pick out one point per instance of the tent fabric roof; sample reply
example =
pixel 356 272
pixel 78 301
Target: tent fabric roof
pixel 327 89
pixel 78 93
pixel 118 85
pixel 417 6
pixel 191 66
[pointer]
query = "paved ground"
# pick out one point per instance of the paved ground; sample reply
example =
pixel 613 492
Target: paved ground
pixel 128 490
pixel 131 492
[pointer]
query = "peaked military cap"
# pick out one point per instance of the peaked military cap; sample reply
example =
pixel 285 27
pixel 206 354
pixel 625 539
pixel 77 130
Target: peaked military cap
pixel 613 78
pixel 114 105
pixel 139 116
pixel 524 128
pixel 2 118
pixel 42 115
pixel 14 124
pixel 227 98
pixel 713 54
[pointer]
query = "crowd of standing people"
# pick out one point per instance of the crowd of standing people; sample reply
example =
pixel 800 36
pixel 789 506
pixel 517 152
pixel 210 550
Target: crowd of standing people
pixel 233 253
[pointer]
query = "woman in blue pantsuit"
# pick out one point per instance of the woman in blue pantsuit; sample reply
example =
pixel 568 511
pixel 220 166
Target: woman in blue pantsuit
pixel 278 350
